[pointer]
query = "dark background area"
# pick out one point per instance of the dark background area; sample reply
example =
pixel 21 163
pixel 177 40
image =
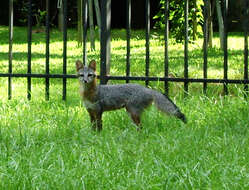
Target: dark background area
pixel 118 13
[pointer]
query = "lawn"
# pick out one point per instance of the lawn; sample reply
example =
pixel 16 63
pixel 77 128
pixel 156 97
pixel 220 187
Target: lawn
pixel 50 144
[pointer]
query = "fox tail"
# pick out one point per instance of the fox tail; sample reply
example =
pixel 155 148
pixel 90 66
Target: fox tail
pixel 164 104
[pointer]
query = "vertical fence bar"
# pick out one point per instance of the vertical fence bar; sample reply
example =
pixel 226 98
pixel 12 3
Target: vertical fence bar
pixel 10 47
pixel 186 46
pixel 166 51
pixel 84 10
pixel 64 49
pixel 29 48
pixel 128 37
pixel 47 51
pixel 147 44
pixel 225 2
pixel 205 42
pixel 105 43
pixel 246 47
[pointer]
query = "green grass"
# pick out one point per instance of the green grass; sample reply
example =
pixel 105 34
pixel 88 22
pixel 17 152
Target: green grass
pixel 50 144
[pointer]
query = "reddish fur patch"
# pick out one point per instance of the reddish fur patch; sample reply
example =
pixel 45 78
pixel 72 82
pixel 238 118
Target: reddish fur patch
pixel 79 65
pixel 92 65
pixel 90 93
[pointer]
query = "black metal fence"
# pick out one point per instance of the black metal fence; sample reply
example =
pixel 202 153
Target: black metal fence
pixel 105 49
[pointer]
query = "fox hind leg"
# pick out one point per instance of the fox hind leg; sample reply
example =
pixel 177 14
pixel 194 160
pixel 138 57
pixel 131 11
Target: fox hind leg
pixel 136 107
pixel 135 116
pixel 136 119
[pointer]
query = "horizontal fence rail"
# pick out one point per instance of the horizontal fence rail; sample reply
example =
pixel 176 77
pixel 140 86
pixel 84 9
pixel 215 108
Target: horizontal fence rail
pixel 106 51
pixel 185 80
pixel 133 78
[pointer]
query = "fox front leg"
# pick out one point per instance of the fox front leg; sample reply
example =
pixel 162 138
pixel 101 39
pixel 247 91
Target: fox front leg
pixel 99 121
pixel 96 120
pixel 93 120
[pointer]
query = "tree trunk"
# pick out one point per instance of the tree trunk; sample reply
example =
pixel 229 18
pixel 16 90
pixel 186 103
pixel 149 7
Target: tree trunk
pixel 92 33
pixel 60 18
pixel 221 24
pixel 79 13
pixel 97 10
pixel 195 22
pixel 210 25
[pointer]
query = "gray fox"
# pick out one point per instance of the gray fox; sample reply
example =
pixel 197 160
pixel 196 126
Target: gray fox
pixel 135 98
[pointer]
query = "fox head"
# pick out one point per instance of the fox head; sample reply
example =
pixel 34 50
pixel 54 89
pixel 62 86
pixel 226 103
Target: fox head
pixel 86 74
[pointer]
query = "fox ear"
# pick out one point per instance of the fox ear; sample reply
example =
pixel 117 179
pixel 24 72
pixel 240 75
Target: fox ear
pixel 92 65
pixel 79 65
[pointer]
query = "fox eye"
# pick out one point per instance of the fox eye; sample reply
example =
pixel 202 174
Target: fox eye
pixel 90 75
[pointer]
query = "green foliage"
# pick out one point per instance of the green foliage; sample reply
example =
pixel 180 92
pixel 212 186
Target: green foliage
pixel 24 11
pixel 40 18
pixel 176 18
pixel 39 14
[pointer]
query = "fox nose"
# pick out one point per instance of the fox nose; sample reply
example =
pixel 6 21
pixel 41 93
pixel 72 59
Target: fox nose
pixel 85 79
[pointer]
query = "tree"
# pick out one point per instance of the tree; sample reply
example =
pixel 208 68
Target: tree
pixel 79 23
pixel 195 22
pixel 60 15
pixel 211 9
pixel 176 18
pixel 221 23
pixel 210 23
pixel 97 10
pixel 92 33
pixel 91 20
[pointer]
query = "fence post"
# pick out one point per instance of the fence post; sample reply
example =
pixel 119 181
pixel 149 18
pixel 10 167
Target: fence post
pixel 186 46
pixel 47 51
pixel 225 4
pixel 29 49
pixel 64 49
pixel 128 37
pixel 205 42
pixel 105 41
pixel 246 47
pixel 166 52
pixel 147 44
pixel 10 47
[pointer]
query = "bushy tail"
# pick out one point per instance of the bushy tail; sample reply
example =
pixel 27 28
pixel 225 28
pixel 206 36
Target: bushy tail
pixel 164 104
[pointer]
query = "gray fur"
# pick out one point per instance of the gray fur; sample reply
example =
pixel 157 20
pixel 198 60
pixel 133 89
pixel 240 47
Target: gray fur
pixel 135 98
